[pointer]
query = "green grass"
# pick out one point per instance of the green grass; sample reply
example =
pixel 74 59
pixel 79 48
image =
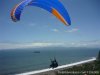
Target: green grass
pixel 92 68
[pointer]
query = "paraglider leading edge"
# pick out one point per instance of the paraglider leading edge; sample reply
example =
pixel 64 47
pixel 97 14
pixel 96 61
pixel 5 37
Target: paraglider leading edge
pixel 53 6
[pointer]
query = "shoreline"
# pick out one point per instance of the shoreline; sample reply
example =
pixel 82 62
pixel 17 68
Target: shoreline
pixel 50 71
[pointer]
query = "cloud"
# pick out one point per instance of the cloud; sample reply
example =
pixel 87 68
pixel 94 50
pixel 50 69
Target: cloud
pixel 45 44
pixel 68 31
pixel 72 30
pixel 27 45
pixel 55 30
pixel 86 44
pixel 13 45
pixel 90 44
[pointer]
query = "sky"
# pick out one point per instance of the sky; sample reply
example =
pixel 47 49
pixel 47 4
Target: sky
pixel 38 27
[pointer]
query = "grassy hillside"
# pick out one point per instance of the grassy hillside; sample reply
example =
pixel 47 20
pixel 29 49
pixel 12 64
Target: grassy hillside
pixel 91 68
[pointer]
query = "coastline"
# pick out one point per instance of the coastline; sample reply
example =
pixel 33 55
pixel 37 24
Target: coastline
pixel 50 71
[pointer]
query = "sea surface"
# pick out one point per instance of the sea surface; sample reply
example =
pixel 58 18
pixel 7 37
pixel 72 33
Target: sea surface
pixel 16 61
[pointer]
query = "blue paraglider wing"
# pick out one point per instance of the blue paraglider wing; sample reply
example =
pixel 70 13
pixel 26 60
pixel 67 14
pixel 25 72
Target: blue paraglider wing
pixel 53 6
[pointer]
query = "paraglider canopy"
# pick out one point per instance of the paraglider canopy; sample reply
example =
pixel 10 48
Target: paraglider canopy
pixel 53 6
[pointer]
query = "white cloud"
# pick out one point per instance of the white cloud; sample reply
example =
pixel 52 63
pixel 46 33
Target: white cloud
pixel 69 31
pixel 72 30
pixel 86 44
pixel 13 45
pixel 27 45
pixel 48 44
pixel 55 30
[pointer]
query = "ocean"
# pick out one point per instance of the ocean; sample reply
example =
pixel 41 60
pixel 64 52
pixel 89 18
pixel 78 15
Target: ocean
pixel 16 61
